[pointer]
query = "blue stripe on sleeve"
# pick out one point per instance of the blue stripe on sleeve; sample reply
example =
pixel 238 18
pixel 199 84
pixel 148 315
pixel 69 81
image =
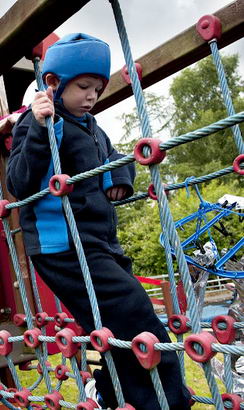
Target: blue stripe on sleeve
pixel 50 221
pixel 107 178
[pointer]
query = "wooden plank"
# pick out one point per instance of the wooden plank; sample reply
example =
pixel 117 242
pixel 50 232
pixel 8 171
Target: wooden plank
pixel 3 99
pixel 28 22
pixel 176 54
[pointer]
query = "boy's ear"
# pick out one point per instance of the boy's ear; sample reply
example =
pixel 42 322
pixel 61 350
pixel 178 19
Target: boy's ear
pixel 52 81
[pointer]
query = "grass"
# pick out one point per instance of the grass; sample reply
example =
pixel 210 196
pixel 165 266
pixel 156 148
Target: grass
pixel 195 379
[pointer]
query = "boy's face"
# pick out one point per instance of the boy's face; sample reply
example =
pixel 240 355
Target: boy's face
pixel 81 94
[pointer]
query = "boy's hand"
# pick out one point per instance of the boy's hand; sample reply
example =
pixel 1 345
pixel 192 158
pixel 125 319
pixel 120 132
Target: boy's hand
pixel 43 106
pixel 117 193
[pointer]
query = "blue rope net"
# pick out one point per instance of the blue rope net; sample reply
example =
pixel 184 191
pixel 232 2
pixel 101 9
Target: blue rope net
pixel 200 345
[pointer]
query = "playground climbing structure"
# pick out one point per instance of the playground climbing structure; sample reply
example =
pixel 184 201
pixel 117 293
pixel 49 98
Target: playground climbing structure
pixel 200 345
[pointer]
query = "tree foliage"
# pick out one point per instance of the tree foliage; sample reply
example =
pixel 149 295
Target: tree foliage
pixel 198 102
pixel 195 102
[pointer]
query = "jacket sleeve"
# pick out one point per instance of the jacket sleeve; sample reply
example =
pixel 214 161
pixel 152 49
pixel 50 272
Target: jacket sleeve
pixel 119 176
pixel 29 158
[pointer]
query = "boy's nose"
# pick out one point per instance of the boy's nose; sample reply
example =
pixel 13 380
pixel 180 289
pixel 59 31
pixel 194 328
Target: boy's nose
pixel 91 94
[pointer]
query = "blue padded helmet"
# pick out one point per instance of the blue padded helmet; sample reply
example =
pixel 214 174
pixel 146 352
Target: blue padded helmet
pixel 74 55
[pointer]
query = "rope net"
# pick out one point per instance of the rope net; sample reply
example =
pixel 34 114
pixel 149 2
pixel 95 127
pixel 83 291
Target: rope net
pixel 200 345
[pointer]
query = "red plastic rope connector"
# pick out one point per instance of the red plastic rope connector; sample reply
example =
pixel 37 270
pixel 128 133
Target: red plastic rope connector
pixel 11 390
pixel 60 372
pixel 234 399
pixel 19 319
pixel 150 357
pixel 31 337
pixel 85 376
pixel 39 367
pixel 99 339
pixel 21 398
pixel 127 407
pixel 41 319
pixel 64 342
pixel 209 27
pixel 152 193
pixel 87 405
pixel 181 320
pixel 156 155
pixel 125 73
pixel 228 334
pixel 4 212
pixel 6 347
pixel 236 164
pixel 205 341
pixel 52 400
pixel 59 319
pixel 58 185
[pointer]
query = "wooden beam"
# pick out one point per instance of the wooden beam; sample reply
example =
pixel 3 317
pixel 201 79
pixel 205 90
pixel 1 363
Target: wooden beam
pixel 176 54
pixel 28 22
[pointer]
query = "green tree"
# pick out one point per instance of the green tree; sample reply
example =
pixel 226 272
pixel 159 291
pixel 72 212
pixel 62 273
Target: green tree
pixel 198 102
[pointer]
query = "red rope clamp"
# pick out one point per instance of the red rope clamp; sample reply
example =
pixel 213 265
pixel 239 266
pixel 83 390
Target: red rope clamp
pixel 41 319
pixel 58 185
pixel 182 321
pixel 52 400
pixel 4 212
pixel 59 319
pixel 19 319
pixel 227 335
pixel 143 347
pixel 205 340
pixel 87 405
pixel 152 193
pixel 234 399
pixel 60 372
pixel 99 339
pixel 6 347
pixel 126 76
pixel 127 407
pixel 31 337
pixel 236 164
pixel 11 390
pixel 85 376
pixel 156 155
pixel 39 367
pixel 209 27
pixel 21 398
pixel 65 343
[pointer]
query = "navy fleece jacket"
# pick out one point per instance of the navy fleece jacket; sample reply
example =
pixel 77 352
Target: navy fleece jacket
pixel 81 148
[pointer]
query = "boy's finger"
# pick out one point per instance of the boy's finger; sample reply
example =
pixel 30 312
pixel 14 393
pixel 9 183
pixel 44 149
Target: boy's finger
pixel 49 93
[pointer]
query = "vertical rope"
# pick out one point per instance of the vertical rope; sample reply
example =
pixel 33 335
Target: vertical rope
pixel 226 93
pixel 78 245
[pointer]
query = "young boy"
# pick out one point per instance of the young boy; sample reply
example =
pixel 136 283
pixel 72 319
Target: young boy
pixel 76 70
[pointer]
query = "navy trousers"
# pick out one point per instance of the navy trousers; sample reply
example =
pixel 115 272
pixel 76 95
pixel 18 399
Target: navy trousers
pixel 127 311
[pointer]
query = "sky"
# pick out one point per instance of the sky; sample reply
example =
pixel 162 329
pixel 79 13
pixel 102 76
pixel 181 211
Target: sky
pixel 149 23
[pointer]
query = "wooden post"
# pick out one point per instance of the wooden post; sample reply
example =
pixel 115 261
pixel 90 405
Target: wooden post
pixel 167 297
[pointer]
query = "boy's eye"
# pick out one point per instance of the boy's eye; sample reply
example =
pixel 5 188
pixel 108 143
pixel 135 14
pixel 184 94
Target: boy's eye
pixel 83 87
